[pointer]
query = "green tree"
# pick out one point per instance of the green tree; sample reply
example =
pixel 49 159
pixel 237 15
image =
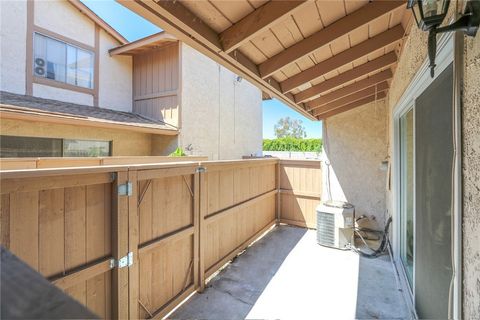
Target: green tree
pixel 292 128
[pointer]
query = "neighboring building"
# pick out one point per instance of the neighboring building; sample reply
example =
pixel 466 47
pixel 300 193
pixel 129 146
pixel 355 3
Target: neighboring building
pixel 73 86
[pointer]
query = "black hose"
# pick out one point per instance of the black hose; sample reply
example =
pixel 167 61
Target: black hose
pixel 383 245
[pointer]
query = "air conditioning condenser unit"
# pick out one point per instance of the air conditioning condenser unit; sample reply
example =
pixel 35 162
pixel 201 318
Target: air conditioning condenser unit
pixel 335 222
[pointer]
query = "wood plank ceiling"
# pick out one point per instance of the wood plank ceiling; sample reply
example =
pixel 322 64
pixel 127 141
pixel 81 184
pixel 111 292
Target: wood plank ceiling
pixel 320 57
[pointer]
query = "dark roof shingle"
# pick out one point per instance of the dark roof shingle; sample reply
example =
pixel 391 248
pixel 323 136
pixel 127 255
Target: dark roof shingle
pixel 11 102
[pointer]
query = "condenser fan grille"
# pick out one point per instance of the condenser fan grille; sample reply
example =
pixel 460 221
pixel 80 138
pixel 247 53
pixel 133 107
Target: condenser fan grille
pixel 325 228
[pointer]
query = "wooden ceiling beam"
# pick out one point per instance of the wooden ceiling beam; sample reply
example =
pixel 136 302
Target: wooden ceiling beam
pixel 352 98
pixel 352 88
pixel 324 37
pixel 355 73
pixel 176 19
pixel 351 106
pixel 257 22
pixel 345 57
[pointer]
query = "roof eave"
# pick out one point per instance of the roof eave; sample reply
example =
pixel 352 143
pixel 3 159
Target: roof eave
pixel 27 115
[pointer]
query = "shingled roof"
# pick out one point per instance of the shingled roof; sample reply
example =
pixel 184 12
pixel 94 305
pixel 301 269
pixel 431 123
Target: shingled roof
pixel 16 106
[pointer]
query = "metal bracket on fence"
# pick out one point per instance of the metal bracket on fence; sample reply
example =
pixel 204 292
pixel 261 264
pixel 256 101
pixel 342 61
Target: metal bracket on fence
pixel 125 189
pixel 123 262
pixel 200 170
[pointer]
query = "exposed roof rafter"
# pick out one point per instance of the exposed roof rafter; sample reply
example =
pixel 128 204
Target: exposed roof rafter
pixel 257 22
pixel 324 37
pixel 355 73
pixel 352 105
pixel 352 88
pixel 348 56
pixel 352 98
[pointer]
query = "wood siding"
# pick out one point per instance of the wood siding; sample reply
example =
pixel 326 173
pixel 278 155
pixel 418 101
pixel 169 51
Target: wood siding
pixel 156 79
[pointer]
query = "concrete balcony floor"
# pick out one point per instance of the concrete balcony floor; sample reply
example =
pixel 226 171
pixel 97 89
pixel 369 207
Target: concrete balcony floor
pixel 287 275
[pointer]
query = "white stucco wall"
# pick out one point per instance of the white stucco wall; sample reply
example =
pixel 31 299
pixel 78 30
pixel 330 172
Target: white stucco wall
pixel 63 18
pixel 115 91
pixel 13 31
pixel 355 144
pixel 220 117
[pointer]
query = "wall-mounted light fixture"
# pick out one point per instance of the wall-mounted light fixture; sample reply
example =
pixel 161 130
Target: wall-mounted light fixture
pixel 429 14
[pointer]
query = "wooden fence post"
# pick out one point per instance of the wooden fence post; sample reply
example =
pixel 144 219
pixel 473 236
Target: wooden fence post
pixel 196 230
pixel 119 248
pixel 278 196
pixel 202 228
pixel 133 240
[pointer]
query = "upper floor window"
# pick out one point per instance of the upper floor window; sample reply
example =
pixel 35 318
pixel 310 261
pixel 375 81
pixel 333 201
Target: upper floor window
pixel 60 61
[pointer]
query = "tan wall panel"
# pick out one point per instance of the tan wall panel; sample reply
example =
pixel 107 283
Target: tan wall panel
pixel 125 143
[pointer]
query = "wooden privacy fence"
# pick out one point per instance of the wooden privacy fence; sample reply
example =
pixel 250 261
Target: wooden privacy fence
pixel 300 191
pixel 133 241
pixel 62 162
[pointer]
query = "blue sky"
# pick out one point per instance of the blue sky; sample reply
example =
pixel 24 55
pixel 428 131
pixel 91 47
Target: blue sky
pixel 133 27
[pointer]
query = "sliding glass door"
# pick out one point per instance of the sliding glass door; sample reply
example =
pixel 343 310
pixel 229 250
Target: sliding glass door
pixel 426 188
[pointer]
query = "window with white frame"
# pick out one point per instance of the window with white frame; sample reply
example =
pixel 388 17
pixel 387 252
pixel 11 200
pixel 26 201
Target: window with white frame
pixel 62 62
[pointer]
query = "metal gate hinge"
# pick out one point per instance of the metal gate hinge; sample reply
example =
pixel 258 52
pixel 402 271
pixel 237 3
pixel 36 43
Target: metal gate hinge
pixel 123 262
pixel 200 170
pixel 125 189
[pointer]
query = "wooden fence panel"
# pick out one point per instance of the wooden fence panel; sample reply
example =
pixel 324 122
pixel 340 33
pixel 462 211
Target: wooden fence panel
pixel 300 191
pixel 239 203
pixel 166 238
pixel 181 222
pixel 64 232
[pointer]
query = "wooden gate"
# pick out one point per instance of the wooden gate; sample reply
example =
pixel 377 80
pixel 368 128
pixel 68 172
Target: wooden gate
pixel 62 226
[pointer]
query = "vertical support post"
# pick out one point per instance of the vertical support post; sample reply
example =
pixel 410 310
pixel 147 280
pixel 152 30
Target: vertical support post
pixel 278 195
pixel 119 248
pixel 133 239
pixel 196 230
pixel 203 211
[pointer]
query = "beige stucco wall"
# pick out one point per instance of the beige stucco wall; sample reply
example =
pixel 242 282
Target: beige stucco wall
pixel 220 117
pixel 414 53
pixel 64 19
pixel 115 91
pixel 13 30
pixel 471 178
pixel 125 143
pixel 354 147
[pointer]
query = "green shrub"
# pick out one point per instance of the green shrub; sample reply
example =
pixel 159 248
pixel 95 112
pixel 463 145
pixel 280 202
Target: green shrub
pixel 292 144
pixel 178 153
